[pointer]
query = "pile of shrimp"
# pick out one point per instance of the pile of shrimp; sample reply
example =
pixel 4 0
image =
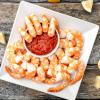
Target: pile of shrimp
pixel 63 66
pixel 37 26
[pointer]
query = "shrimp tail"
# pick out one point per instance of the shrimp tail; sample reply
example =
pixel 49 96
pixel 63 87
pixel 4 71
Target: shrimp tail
pixel 59 87
pixel 14 75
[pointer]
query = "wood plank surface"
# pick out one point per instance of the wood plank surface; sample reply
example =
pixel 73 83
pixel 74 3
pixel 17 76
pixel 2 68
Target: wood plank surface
pixel 43 1
pixel 87 90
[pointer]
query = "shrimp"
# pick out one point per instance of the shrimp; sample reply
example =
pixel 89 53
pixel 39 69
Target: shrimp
pixel 53 27
pixel 30 27
pixel 63 34
pixel 45 23
pixel 31 71
pixel 73 65
pixel 18 58
pixel 44 63
pixel 17 68
pixel 56 73
pixel 70 36
pixel 79 38
pixel 73 51
pixel 79 74
pixel 19 44
pixel 36 24
pixel 66 79
pixel 27 56
pixel 51 71
pixel 59 87
pixel 35 61
pixel 66 60
pixel 13 74
pixel 40 74
pixel 25 35
pixel 60 53
pixel 10 52
pixel 53 60
pixel 64 43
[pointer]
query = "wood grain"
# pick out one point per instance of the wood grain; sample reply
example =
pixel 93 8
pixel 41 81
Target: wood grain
pixel 43 1
pixel 87 90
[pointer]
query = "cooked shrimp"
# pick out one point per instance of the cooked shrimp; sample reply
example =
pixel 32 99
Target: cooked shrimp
pixel 19 44
pixel 18 58
pixel 27 56
pixel 25 35
pixel 35 61
pixel 53 63
pixel 63 34
pixel 44 63
pixel 66 60
pixel 70 36
pixel 30 26
pixel 36 24
pixel 78 74
pixel 73 51
pixel 73 65
pixel 79 38
pixel 53 60
pixel 17 68
pixel 40 74
pixel 65 83
pixel 13 74
pixel 31 71
pixel 53 27
pixel 45 23
pixel 59 87
pixel 56 73
pixel 51 80
pixel 60 53
pixel 64 43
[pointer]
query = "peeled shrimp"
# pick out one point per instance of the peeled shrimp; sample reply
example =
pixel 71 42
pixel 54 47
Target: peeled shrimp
pixel 78 74
pixel 27 56
pixel 25 35
pixel 31 71
pixel 73 65
pixel 36 24
pixel 44 63
pixel 59 87
pixel 30 27
pixel 17 68
pixel 53 60
pixel 45 23
pixel 13 74
pixel 66 60
pixel 18 58
pixel 35 61
pixel 65 83
pixel 53 27
pixel 79 38
pixel 64 43
pixel 60 53
pixel 40 74
pixel 63 34
pixel 73 51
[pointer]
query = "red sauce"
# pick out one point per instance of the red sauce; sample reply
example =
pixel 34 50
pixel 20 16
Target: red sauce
pixel 42 44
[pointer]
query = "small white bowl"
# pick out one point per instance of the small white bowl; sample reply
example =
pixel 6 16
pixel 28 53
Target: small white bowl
pixel 46 55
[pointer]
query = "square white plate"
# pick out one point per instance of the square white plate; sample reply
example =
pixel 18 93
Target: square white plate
pixel 88 30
